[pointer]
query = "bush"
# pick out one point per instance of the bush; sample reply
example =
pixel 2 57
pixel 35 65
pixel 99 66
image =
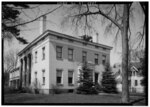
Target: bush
pixel 26 90
pixel 98 87
pixel 55 90
pixel 89 90
pixel 10 90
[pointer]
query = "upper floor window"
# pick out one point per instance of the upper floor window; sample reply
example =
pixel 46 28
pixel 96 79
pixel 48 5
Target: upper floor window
pixel 43 76
pixel 104 59
pixel 59 76
pixel 84 56
pixel 96 59
pixel 43 53
pixel 59 52
pixel 36 57
pixel 70 77
pixel 70 54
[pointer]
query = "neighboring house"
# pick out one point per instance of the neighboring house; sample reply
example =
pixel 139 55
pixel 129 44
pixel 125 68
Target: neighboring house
pixel 54 59
pixel 14 77
pixel 134 78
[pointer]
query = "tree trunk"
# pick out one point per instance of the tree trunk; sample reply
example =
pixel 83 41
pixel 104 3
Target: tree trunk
pixel 124 32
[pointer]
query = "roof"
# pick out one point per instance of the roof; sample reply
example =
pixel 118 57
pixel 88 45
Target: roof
pixel 136 64
pixel 46 33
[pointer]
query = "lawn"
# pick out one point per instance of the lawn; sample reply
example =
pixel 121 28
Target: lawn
pixel 25 98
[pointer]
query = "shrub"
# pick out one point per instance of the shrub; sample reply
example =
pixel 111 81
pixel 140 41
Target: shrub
pixel 56 90
pixel 26 90
pixel 10 90
pixel 98 87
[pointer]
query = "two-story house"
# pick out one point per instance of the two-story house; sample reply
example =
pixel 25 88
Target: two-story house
pixel 54 59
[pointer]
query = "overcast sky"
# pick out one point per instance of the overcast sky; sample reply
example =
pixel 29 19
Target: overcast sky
pixel 32 30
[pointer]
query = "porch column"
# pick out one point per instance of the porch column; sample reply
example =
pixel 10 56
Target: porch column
pixel 21 67
pixel 23 70
pixel 29 70
pixel 25 73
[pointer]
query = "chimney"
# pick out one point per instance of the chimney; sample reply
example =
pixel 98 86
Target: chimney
pixel 97 39
pixel 42 24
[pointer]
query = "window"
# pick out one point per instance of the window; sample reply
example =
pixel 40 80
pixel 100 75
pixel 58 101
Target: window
pixel 36 57
pixel 36 78
pixel 104 59
pixel 59 52
pixel 96 59
pixel 59 77
pixel 84 55
pixel 70 77
pixel 43 75
pixel 136 82
pixel 70 54
pixel 43 53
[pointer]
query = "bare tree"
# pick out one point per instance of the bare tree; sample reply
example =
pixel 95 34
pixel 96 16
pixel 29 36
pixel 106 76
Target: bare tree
pixel 10 60
pixel 117 16
pixel 12 23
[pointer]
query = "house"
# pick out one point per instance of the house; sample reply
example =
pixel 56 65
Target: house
pixel 14 75
pixel 14 78
pixel 54 59
pixel 134 77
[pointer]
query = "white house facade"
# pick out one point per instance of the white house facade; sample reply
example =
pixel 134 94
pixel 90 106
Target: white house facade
pixel 54 59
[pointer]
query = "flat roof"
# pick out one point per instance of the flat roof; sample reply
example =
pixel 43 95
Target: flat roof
pixel 61 35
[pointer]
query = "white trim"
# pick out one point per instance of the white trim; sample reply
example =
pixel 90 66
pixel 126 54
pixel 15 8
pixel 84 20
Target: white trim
pixel 50 32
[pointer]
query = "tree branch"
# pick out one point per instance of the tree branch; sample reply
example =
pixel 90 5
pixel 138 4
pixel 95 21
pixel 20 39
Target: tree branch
pixel 101 13
pixel 112 20
pixel 35 18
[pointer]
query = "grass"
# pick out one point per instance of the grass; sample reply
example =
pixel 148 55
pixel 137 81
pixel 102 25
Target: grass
pixel 25 98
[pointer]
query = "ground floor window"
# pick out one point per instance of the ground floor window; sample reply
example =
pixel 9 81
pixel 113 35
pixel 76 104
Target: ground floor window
pixel 43 76
pixel 59 76
pixel 70 77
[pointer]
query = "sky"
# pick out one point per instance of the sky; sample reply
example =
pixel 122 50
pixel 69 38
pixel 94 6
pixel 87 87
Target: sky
pixel 32 30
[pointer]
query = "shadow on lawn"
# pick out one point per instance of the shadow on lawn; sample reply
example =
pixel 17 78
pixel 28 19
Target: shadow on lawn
pixel 136 101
